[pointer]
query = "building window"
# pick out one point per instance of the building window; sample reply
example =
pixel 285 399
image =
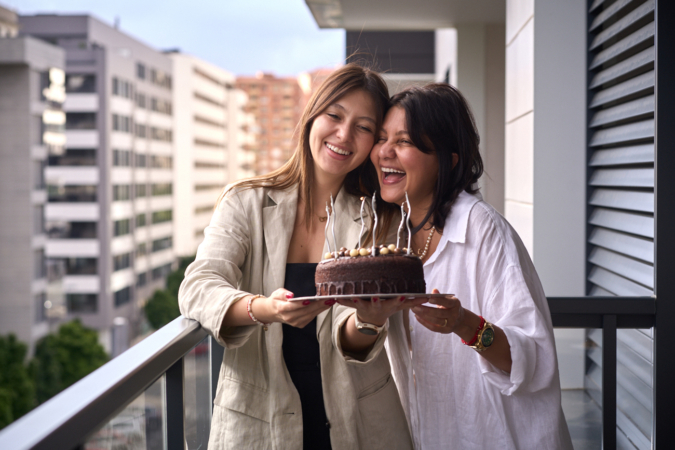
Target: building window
pixel 162 244
pixel 123 296
pixel 162 189
pixel 80 84
pixel 141 131
pixel 161 271
pixel 142 279
pixel 204 209
pixel 122 227
pixel 140 220
pixel 122 123
pixel 141 190
pixel 71 194
pixel 39 264
pixel 39 174
pixel 140 71
pixel 121 158
pixel 122 261
pixel 80 121
pixel 162 162
pixel 141 100
pixel 81 266
pixel 162 216
pixel 160 78
pixel 121 192
pixel 122 88
pixel 161 134
pixel 38 219
pixel 40 310
pixel 161 106
pixel 74 157
pixel 82 303
pixel 141 249
pixel 141 160
pixel 207 187
pixel 57 229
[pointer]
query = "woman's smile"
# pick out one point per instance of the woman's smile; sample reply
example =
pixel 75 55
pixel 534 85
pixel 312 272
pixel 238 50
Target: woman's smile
pixel 401 166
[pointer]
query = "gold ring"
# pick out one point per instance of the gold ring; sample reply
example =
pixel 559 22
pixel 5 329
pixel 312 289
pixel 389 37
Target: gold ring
pixel 445 323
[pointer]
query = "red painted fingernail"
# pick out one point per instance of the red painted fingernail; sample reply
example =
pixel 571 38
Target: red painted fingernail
pixel 375 299
pixel 356 301
pixel 306 302
pixel 330 302
pixel 289 295
pixel 402 298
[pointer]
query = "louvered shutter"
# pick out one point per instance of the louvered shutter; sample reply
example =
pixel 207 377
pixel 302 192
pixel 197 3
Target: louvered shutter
pixel 621 197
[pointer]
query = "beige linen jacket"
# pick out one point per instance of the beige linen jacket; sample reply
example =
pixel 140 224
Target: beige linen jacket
pixel 257 406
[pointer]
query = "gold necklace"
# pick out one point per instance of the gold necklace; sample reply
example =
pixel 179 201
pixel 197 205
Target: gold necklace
pixel 426 246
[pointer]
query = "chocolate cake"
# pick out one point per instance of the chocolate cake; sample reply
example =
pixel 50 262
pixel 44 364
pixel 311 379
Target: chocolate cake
pixel 359 272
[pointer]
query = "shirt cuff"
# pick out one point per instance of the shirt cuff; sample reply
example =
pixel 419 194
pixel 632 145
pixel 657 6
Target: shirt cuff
pixel 523 356
pixel 361 359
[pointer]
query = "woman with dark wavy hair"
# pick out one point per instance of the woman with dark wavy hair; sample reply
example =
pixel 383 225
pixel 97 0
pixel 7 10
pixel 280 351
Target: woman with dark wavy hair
pixel 476 369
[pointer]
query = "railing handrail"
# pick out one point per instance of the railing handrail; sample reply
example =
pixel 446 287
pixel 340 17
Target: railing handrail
pixel 66 420
pixel 72 415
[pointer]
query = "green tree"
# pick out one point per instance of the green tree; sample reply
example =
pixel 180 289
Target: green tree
pixel 65 357
pixel 17 391
pixel 162 307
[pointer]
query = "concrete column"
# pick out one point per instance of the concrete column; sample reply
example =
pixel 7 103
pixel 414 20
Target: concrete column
pixel 480 77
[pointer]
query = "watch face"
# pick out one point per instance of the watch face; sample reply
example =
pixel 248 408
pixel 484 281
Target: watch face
pixel 488 337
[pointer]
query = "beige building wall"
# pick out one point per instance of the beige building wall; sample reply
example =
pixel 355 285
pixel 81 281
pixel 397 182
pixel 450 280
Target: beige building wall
pixel 203 160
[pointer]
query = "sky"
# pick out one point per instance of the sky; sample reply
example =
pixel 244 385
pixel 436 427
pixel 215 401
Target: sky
pixel 241 36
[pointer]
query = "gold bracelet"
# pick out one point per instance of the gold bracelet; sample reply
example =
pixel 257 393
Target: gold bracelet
pixel 250 312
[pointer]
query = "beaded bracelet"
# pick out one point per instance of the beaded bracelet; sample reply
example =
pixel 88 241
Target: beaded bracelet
pixel 250 312
pixel 475 337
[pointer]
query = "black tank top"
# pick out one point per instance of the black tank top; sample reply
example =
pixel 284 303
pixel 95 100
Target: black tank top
pixel 301 353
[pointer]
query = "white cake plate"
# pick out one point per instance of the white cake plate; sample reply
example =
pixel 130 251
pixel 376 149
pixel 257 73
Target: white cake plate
pixel 408 296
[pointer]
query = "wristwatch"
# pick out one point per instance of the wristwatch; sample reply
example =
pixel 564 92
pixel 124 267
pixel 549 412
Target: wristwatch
pixel 486 337
pixel 368 328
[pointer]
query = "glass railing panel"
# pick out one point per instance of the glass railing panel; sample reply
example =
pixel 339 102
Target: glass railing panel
pixel 197 395
pixel 141 425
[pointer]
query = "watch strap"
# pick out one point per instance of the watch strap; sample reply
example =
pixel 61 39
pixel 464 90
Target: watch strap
pixel 368 328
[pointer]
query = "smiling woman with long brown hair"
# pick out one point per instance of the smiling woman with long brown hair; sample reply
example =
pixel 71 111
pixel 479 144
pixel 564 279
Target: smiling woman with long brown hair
pixel 284 383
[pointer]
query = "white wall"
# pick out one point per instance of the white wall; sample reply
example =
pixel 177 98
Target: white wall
pixel 545 151
pixel 480 78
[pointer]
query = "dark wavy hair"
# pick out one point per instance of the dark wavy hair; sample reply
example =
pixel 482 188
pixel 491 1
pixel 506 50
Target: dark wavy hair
pixel 439 120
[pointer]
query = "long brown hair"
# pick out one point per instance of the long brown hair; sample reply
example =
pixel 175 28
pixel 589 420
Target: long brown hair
pixel 300 168
pixel 439 121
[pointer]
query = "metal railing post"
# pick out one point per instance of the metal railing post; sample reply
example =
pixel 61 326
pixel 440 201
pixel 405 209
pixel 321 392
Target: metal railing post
pixel 217 352
pixel 174 407
pixel 609 382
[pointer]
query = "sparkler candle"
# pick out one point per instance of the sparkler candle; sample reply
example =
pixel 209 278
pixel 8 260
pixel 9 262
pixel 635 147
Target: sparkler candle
pixel 332 209
pixel 407 200
pixel 374 204
pixel 363 202
pixel 325 232
pixel 400 227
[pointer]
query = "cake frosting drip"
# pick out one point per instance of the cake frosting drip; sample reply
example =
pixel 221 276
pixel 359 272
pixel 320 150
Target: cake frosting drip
pixel 380 274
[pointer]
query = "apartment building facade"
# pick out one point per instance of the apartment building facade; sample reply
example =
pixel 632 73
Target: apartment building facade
pixel 210 144
pixel 276 104
pixel 109 215
pixel 31 126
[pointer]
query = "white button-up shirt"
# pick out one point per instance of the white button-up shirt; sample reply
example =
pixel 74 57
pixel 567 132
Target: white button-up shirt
pixel 454 398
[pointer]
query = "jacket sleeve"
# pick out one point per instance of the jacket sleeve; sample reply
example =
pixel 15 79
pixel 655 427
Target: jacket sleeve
pixel 340 315
pixel 210 285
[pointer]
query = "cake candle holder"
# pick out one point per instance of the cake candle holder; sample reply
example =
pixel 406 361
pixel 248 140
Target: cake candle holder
pixel 407 222
pixel 332 209
pixel 363 202
pixel 374 205
pixel 325 232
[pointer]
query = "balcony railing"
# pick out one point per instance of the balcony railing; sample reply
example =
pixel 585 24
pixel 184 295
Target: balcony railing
pixel 70 419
